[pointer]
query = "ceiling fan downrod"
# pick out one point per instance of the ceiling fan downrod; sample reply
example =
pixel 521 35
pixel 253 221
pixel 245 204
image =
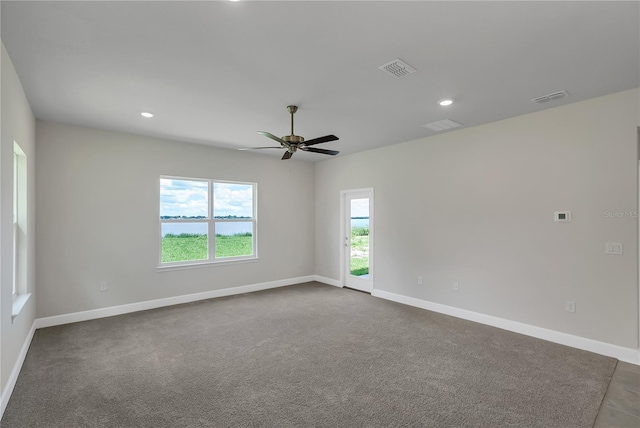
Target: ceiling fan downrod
pixel 293 138
pixel 292 110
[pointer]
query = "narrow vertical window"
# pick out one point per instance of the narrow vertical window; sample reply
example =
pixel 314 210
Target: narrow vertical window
pixel 15 222
pixel 19 221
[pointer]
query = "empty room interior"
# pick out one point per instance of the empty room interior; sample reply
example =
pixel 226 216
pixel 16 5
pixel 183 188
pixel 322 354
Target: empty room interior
pixel 319 213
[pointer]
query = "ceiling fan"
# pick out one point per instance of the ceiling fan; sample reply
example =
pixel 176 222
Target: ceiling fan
pixel 292 143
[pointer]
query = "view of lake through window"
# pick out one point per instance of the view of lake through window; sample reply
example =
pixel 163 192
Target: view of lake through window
pixel 187 225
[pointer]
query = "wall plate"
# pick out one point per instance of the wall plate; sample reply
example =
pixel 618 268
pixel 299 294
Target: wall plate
pixel 562 216
pixel 613 248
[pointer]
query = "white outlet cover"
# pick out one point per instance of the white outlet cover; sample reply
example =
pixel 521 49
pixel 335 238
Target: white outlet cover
pixel 570 306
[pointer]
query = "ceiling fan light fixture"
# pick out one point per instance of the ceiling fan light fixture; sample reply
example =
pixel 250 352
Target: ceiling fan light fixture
pixel 445 102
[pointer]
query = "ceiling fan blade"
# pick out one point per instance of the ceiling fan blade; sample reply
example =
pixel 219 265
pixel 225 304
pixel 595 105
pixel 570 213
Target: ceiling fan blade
pixel 259 148
pixel 274 138
pixel 287 155
pixel 323 151
pixel 320 140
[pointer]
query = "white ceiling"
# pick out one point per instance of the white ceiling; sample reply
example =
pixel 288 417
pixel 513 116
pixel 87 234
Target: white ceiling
pixel 217 72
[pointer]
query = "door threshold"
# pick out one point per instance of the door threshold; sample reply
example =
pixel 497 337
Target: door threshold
pixel 359 291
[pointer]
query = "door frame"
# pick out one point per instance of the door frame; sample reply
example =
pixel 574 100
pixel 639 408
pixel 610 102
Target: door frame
pixel 343 233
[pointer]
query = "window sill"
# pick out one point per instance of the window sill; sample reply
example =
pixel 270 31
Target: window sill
pixel 198 265
pixel 18 304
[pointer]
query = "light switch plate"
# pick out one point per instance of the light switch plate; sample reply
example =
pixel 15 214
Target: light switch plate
pixel 613 248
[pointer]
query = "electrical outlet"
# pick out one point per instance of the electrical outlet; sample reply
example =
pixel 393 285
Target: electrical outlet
pixel 419 280
pixel 456 286
pixel 570 306
pixel 103 286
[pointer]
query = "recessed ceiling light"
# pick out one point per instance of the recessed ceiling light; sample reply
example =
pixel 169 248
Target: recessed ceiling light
pixel 445 102
pixel 146 114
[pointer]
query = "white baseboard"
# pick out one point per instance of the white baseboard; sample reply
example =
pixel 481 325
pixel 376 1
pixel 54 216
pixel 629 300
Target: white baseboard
pixel 169 301
pixel 327 281
pixel 623 354
pixel 13 377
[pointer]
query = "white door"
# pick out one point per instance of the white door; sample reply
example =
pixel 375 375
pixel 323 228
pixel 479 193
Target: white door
pixel 358 239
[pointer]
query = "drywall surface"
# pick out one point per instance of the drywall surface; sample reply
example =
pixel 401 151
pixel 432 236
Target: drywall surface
pixel 476 206
pixel 18 124
pixel 98 205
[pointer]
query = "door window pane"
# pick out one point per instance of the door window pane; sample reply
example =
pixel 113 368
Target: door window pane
pixel 359 260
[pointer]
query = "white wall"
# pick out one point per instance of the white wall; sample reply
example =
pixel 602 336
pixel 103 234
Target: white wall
pixel 476 207
pixel 98 217
pixel 18 124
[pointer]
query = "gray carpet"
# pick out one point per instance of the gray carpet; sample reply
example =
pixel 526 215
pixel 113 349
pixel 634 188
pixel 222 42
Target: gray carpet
pixel 309 355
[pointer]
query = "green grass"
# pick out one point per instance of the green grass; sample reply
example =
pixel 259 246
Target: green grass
pixel 359 266
pixel 240 244
pixel 359 231
pixel 360 242
pixel 188 246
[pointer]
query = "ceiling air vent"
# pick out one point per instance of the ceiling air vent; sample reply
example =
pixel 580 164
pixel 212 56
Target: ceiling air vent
pixel 442 125
pixel 397 68
pixel 550 97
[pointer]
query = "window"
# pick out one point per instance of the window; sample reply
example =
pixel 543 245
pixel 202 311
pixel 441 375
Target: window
pixel 20 253
pixel 19 220
pixel 15 221
pixel 205 221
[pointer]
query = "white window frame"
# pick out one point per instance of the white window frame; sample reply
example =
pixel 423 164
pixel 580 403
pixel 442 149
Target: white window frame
pixel 20 242
pixel 15 225
pixel 211 222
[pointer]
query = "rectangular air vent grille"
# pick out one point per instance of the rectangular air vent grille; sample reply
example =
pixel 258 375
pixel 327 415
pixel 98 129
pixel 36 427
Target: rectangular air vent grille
pixel 397 68
pixel 442 125
pixel 550 97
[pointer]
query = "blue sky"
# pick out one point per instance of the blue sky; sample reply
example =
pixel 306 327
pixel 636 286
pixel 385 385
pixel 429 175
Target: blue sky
pixel 190 198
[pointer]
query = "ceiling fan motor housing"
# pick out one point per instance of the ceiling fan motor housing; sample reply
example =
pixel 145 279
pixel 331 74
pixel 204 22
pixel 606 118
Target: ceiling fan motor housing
pixel 293 139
